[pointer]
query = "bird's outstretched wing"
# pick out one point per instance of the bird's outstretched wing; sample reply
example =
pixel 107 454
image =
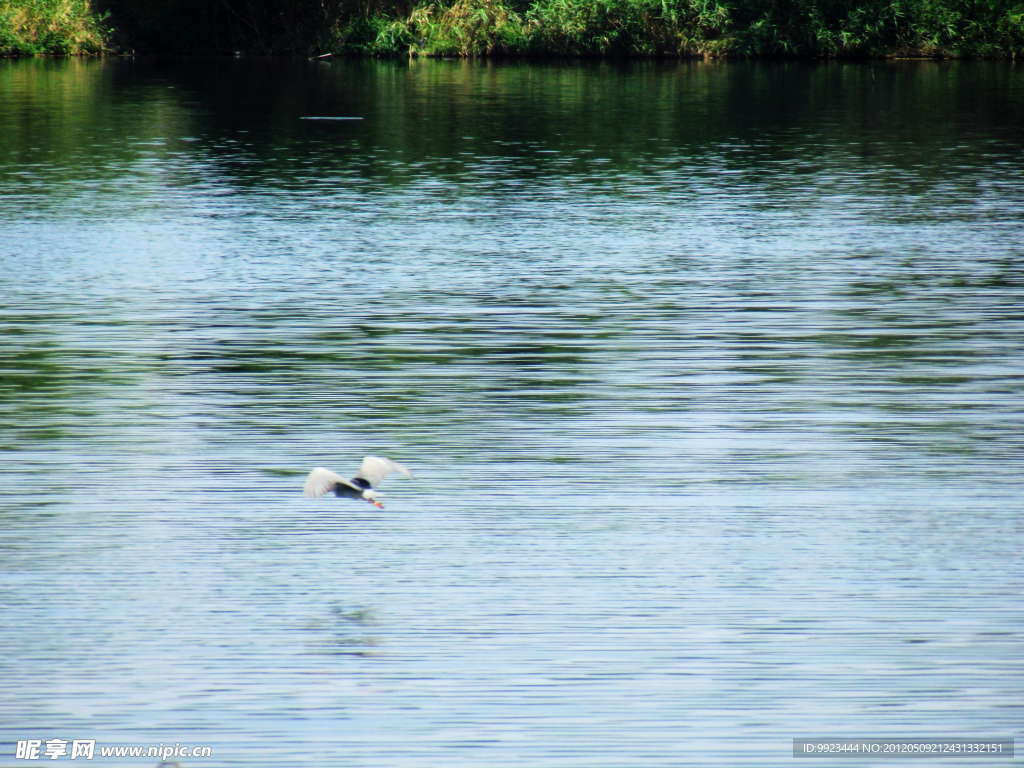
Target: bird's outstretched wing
pixel 374 469
pixel 321 481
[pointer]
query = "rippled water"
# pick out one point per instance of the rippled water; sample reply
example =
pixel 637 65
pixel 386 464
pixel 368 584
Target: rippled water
pixel 711 376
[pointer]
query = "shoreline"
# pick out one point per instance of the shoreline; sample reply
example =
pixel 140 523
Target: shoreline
pixel 1012 57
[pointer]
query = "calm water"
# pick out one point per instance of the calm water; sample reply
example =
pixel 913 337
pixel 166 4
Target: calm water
pixel 712 377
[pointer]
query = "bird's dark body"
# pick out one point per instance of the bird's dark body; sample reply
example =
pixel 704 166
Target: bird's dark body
pixel 345 491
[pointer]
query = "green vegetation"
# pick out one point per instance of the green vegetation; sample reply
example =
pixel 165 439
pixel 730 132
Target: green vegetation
pixel 929 28
pixel 583 27
pixel 710 28
pixel 59 27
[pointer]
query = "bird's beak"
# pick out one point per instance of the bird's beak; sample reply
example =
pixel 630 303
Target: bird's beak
pixel 377 504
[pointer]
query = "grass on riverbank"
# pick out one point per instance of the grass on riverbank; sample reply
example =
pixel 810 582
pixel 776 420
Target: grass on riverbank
pixel 57 27
pixel 936 28
pixel 821 28
pixel 940 28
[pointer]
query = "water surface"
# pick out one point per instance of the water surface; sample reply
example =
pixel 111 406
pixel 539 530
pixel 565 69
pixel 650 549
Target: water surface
pixel 711 376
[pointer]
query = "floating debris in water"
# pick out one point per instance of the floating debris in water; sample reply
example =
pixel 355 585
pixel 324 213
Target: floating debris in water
pixel 330 118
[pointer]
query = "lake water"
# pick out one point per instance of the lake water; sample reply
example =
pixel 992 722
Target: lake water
pixel 712 377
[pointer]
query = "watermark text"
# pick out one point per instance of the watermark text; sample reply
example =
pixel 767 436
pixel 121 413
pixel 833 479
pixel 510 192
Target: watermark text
pixel 903 747
pixel 86 749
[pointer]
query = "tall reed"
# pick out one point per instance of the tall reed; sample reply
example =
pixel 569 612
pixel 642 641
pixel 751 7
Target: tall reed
pixel 58 27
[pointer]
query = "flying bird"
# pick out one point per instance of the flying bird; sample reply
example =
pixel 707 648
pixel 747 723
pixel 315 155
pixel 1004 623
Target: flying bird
pixel 371 473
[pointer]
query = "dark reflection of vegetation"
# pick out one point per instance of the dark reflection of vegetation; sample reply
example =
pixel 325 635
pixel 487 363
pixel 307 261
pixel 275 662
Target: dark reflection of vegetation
pixel 373 369
pixel 500 127
pixel 49 388
pixel 35 387
pixel 80 124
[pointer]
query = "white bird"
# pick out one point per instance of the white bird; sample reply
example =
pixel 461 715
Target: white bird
pixel 371 473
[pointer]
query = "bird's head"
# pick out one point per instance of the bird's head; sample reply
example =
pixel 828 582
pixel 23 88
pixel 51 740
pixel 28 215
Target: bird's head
pixel 373 497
